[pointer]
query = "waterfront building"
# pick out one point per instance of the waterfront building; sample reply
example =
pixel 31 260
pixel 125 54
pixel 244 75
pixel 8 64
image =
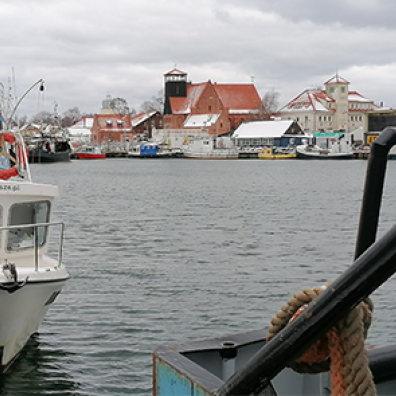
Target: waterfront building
pixel 334 108
pixel 111 128
pixel 258 134
pixel 144 124
pixel 208 108
pixel 80 132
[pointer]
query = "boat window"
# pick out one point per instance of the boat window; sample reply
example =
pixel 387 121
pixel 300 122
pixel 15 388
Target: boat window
pixel 23 214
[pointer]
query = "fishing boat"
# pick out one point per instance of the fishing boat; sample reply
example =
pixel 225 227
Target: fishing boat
pixel 49 149
pixel 90 152
pixel 210 147
pixel 315 344
pixel 30 279
pixel 335 149
pixel 271 153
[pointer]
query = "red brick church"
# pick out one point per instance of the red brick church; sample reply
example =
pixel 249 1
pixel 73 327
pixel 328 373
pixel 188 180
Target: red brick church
pixel 216 108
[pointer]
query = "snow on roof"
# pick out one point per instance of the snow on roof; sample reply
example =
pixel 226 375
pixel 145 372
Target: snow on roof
pixel 85 122
pixel 356 97
pixel 337 80
pixel 309 100
pixel 262 129
pixel 139 118
pixel 176 72
pixel 201 120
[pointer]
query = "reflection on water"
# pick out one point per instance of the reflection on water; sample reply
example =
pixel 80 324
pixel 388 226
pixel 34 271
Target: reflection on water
pixel 38 370
pixel 170 251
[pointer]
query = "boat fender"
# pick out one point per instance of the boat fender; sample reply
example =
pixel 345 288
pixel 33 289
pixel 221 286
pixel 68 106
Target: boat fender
pixel 14 285
pixel 11 172
pixel 341 349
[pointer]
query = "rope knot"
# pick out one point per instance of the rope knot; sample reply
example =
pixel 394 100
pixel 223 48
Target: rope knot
pixel 341 350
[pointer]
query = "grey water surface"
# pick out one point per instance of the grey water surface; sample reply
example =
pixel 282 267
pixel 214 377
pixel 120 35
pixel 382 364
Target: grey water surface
pixel 162 252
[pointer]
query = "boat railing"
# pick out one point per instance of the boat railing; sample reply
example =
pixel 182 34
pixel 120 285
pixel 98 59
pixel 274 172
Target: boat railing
pixel 375 262
pixel 39 237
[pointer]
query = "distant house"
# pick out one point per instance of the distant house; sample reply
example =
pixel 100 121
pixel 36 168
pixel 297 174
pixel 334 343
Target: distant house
pixel 143 124
pixel 208 108
pixel 111 128
pixel 257 134
pixel 81 131
pixel 31 130
pixel 333 108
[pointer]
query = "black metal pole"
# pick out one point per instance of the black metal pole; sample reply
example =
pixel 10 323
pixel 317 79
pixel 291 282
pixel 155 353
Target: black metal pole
pixel 374 183
pixel 365 275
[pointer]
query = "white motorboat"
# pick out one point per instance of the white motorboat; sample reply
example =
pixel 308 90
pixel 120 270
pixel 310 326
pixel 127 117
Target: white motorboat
pixel 210 148
pixel 335 149
pixel 30 280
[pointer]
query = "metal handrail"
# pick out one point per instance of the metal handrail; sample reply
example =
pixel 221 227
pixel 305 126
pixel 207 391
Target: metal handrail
pixel 36 246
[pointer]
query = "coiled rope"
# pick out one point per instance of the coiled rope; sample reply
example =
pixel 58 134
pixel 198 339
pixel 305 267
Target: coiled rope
pixel 342 349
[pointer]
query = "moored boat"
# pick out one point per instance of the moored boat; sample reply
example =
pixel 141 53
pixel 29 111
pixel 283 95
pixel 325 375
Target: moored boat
pixel 335 149
pixel 210 147
pixel 90 152
pixel 270 153
pixel 49 149
pixel 30 280
pixel 337 316
pixel 151 150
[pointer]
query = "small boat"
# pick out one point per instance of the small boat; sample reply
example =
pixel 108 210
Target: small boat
pixel 270 153
pixel 315 345
pixel 151 150
pixel 90 152
pixel 30 280
pixel 210 147
pixel 337 149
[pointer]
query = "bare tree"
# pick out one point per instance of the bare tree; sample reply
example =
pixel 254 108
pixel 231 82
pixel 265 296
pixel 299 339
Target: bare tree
pixel 69 117
pixel 155 104
pixel 119 106
pixel 271 101
pixel 43 117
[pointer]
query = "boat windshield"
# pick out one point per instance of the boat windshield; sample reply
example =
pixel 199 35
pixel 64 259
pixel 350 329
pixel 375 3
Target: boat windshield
pixel 27 213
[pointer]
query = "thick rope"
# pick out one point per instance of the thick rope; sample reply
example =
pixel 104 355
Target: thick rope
pixel 342 350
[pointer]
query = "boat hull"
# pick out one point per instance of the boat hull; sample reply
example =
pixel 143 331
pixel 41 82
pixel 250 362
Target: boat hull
pixel 338 156
pixel 22 313
pixel 41 156
pixel 202 367
pixel 211 156
pixel 315 152
pixel 90 156
pixel 277 156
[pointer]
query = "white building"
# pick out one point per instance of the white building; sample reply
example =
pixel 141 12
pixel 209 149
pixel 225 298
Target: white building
pixel 258 134
pixel 81 131
pixel 333 108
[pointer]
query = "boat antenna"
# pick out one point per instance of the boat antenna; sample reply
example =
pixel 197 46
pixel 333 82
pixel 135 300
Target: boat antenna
pixel 41 88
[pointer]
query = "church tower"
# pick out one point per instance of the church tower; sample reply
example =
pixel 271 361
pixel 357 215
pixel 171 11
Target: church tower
pixel 175 87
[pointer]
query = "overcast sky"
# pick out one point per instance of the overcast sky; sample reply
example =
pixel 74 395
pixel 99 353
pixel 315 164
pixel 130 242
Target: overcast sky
pixel 87 49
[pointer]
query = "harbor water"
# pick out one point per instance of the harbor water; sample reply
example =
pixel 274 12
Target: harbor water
pixel 162 252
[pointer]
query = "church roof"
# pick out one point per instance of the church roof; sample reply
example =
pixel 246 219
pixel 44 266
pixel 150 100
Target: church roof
pixel 237 98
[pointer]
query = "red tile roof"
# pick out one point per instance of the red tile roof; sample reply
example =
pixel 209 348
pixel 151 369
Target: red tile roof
pixel 233 96
pixel 238 96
